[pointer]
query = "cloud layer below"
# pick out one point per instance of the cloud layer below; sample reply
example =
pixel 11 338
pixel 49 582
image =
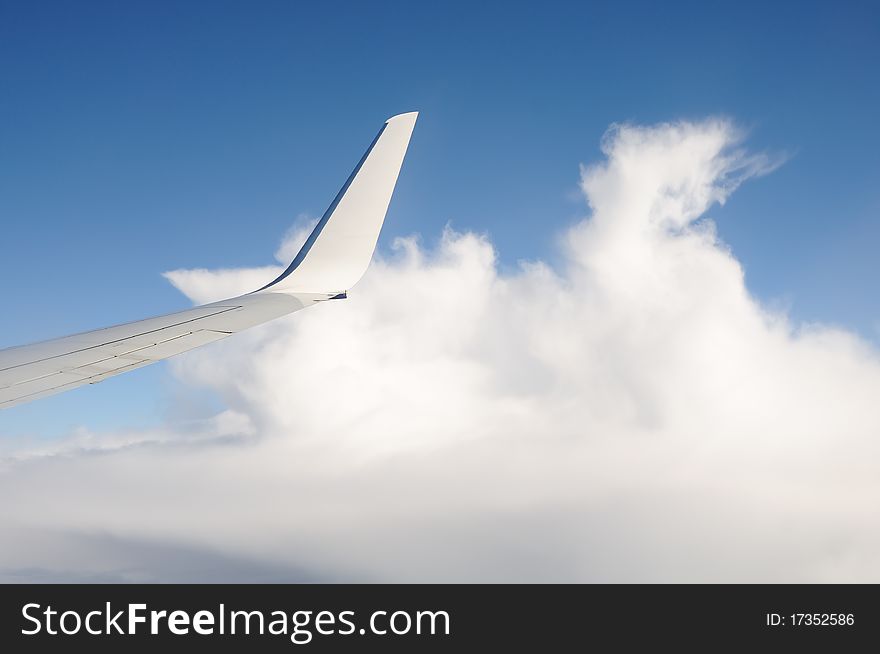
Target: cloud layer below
pixel 633 415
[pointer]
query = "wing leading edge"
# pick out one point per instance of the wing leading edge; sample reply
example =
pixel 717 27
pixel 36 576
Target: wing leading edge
pixel 333 259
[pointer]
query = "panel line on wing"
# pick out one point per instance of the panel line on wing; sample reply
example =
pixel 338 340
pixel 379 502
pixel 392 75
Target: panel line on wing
pixel 121 340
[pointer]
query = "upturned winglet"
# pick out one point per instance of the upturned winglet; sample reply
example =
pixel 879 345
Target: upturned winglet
pixel 339 249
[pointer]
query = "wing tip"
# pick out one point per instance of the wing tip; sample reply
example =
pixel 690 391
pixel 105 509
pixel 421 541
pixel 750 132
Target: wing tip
pixel 407 116
pixel 396 131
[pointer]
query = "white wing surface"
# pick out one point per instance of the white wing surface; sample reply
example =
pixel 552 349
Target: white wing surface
pixel 332 260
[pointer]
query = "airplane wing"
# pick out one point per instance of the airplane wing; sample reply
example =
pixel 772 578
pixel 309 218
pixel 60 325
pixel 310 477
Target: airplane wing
pixel 331 261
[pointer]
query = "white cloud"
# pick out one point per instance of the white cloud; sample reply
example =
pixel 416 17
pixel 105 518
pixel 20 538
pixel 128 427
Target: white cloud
pixel 203 286
pixel 633 416
pixel 295 238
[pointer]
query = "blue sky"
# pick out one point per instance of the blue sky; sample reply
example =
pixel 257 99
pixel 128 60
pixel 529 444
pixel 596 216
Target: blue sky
pixel 137 138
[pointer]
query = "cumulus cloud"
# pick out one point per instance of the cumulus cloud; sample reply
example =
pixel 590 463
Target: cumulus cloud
pixel 632 415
